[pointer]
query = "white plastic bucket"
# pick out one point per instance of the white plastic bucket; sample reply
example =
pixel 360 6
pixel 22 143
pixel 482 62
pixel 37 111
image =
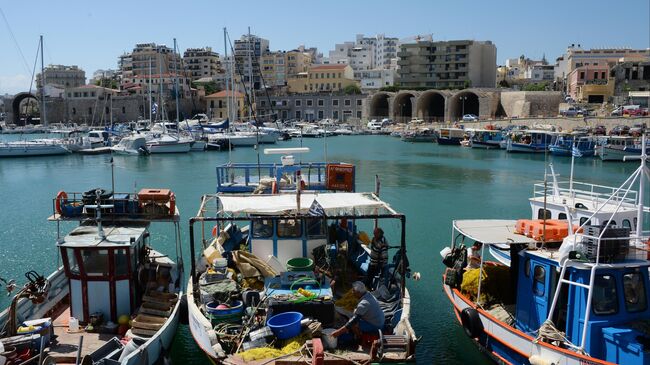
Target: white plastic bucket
pixel 330 342
pixel 445 251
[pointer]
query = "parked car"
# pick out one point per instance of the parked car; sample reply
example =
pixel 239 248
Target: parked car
pixel 573 111
pixel 625 110
pixel 470 118
pixel 638 129
pixel 600 130
pixel 620 130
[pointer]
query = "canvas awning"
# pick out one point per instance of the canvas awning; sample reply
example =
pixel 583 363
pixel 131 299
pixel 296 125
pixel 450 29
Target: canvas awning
pixel 491 231
pixel 333 204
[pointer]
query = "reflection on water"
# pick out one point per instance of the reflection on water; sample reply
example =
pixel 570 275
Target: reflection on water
pixel 431 184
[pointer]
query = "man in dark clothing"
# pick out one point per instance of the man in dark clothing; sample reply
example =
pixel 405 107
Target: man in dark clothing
pixel 368 316
pixel 378 256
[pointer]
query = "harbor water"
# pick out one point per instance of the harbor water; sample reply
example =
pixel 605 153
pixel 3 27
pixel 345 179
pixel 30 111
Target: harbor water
pixel 431 184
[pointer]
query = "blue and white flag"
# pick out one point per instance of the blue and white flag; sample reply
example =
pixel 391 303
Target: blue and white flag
pixel 575 152
pixel 316 209
pixel 154 108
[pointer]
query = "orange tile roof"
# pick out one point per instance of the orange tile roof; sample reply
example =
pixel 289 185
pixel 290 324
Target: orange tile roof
pixel 224 93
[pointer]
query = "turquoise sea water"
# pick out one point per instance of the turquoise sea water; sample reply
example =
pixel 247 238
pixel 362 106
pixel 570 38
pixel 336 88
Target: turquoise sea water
pixel 431 184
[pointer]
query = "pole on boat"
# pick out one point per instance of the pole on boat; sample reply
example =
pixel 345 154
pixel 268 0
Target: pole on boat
pixel 377 184
pixel 78 357
pixel 43 117
pixel 195 280
pixel 403 256
pixel 178 119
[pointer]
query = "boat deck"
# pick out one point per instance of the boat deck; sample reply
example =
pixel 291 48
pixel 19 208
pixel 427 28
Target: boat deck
pixel 65 345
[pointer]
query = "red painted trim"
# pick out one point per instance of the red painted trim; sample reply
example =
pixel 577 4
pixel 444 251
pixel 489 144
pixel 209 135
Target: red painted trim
pixel 111 284
pixel 517 332
pixel 84 287
pixel 130 275
pixel 501 358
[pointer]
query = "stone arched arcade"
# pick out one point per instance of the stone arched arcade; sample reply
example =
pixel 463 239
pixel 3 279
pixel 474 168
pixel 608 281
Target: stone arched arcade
pixel 433 105
pixel 15 111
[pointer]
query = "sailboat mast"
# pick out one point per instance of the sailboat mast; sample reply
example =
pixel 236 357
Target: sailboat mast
pixel 43 117
pixel 176 86
pixel 150 101
pixel 160 97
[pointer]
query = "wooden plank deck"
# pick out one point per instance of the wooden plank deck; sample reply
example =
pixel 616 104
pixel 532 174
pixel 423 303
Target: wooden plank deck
pixel 65 345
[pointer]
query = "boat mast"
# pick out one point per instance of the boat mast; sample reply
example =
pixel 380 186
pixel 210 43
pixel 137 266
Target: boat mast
pixel 176 86
pixel 150 100
pixel 43 117
pixel 228 83
pixel 160 97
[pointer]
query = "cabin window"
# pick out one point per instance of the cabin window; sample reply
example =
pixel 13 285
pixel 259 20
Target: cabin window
pixel 95 262
pixel 627 224
pixel 635 296
pixel 583 220
pixel 121 262
pixel 315 227
pixel 561 216
pixel 542 212
pixel 262 228
pixel 289 228
pixel 527 268
pixel 605 296
pixel 539 281
pixel 73 266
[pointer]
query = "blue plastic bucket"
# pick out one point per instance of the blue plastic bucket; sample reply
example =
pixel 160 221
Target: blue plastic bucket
pixel 285 325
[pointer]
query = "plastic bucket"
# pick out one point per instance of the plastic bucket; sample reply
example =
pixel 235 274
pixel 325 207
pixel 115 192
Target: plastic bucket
pixel 300 264
pixel 285 325
pixel 330 342
pixel 237 308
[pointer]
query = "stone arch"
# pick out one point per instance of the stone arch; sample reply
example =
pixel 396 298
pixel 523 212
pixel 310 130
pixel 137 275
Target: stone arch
pixel 379 106
pixel 464 102
pixel 15 106
pixel 430 106
pixel 403 107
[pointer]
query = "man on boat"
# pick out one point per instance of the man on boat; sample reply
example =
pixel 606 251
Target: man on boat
pixel 378 256
pixel 475 255
pixel 368 316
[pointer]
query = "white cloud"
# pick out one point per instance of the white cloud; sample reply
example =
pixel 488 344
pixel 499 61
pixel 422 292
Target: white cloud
pixel 13 84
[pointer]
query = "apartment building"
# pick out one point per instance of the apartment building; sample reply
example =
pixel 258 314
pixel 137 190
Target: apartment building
pixel 322 78
pixel 447 64
pixel 278 66
pixel 201 63
pixel 149 58
pixel 217 104
pixel 61 76
pixel 248 52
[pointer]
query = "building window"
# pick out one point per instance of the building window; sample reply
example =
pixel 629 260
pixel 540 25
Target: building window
pixel 335 102
pixel 263 103
pixel 347 102
pixel 74 111
pixel 359 101
pixel 298 102
pixel 359 114
pixel 605 298
pixel 335 114
pixel 582 75
pixel 634 290
pixel 212 104
pixel 123 110
pixel 90 111
pixel 298 114
pixel 602 75
pixel 321 102
pixel 320 114
pixel 310 102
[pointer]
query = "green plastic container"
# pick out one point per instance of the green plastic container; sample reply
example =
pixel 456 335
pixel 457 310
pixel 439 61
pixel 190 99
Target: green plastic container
pixel 300 264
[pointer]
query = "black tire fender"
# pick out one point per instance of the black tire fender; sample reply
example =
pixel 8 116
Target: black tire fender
pixel 183 311
pixel 471 321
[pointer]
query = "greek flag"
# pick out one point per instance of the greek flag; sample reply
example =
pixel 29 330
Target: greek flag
pixel 316 209
pixel 575 152
pixel 154 108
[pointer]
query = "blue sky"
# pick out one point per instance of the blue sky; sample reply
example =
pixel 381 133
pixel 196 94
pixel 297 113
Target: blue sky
pixel 92 34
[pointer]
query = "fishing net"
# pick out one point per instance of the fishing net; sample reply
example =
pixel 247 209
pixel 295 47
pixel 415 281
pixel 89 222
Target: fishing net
pixel 494 279
pixel 288 347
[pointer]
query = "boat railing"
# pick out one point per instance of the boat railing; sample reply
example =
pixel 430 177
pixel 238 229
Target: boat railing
pixel 245 177
pixel 117 207
pixel 597 194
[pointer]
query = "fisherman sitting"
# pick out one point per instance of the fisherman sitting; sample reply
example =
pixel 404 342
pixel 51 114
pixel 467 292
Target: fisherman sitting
pixel 368 316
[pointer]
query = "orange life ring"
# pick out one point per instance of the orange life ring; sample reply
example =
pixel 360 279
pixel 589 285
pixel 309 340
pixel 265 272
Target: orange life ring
pixel 172 204
pixel 61 196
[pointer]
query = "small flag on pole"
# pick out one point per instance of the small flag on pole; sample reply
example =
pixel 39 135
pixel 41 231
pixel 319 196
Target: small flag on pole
pixel 154 108
pixel 316 209
pixel 575 152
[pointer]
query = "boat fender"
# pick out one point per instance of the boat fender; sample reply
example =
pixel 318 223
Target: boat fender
pixel 172 204
pixel 318 357
pixel 538 360
pixel 61 198
pixel 183 311
pixel 647 244
pixel 471 322
pixel 274 187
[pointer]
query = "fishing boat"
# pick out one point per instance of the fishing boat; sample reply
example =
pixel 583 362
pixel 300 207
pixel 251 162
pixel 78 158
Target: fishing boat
pixel 252 235
pixel 584 302
pixel 575 144
pixel 451 136
pixel 419 135
pixel 131 145
pixel 617 148
pixel 114 299
pixel 486 138
pixel 530 141
pixel 32 148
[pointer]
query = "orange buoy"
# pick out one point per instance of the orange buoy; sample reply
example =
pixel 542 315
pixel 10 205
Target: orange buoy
pixel 61 197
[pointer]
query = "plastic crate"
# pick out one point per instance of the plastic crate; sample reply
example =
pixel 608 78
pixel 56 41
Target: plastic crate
pixel 612 247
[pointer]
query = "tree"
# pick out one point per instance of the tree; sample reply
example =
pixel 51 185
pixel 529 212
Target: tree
pixel 352 89
pixel 209 87
pixel 536 87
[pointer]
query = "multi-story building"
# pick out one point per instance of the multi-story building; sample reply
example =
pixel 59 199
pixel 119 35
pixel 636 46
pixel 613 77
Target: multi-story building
pixel 366 53
pixel 100 75
pixel 201 63
pixel 61 76
pixel 322 78
pixel 149 58
pixel 217 104
pixel 313 106
pixel 377 78
pixel 248 52
pixel 590 83
pixel 631 78
pixel 447 64
pixel 280 65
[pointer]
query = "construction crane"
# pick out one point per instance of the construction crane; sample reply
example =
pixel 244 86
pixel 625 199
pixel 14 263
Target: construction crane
pixel 417 38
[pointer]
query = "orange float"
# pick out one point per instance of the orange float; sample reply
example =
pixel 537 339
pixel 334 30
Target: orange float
pixel 61 197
